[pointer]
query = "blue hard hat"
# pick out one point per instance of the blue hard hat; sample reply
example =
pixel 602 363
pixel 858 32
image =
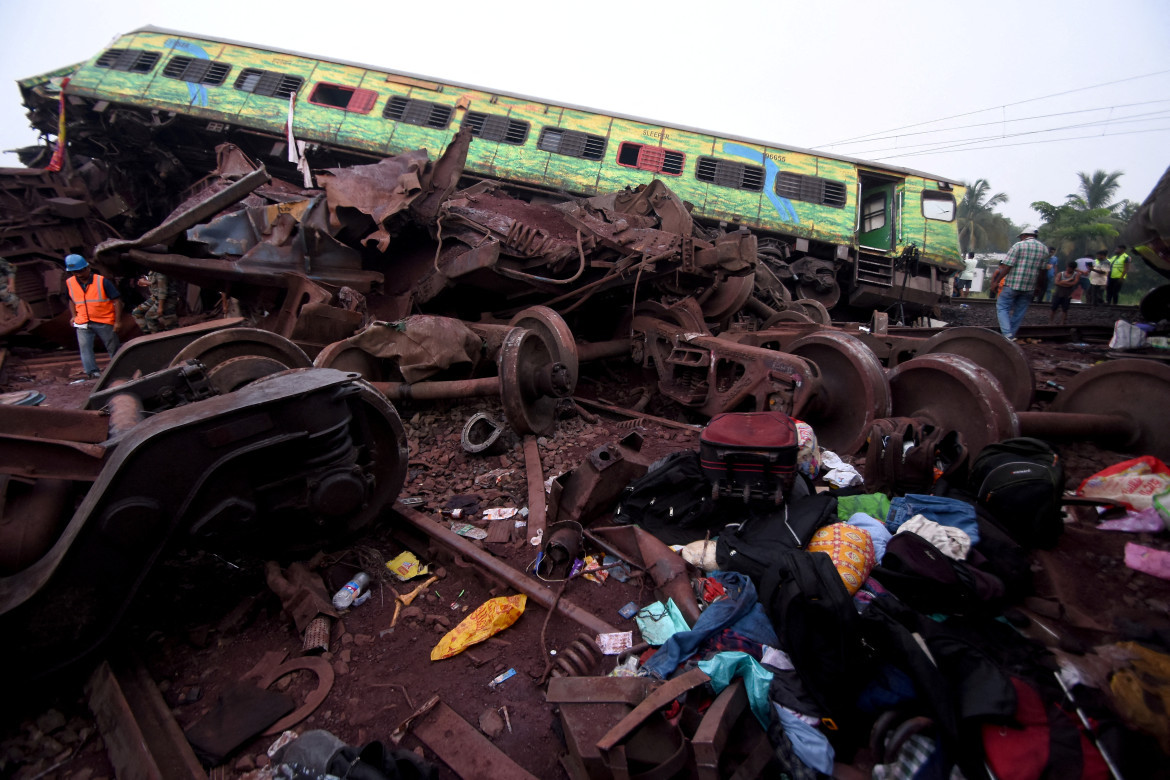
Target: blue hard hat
pixel 74 262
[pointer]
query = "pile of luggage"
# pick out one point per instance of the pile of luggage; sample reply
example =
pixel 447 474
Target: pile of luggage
pixel 875 628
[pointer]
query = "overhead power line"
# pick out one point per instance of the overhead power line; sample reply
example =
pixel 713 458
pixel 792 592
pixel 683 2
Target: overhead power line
pixel 992 108
pixel 954 142
pixel 1024 143
pixel 1002 122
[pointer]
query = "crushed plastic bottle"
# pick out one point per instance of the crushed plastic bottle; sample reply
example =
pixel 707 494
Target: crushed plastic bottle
pixel 344 597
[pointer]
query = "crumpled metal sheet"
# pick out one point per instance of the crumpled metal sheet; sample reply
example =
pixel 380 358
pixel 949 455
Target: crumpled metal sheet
pixel 380 190
pixel 421 345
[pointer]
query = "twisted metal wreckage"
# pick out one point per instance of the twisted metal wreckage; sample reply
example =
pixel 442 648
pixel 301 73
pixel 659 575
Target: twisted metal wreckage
pixel 283 414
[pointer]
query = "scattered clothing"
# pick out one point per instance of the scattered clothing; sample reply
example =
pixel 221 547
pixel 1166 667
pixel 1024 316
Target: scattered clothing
pixel 879 535
pixel 840 473
pixel 873 504
pixel 740 610
pixel 951 542
pixel 722 668
pixel 658 622
pixel 945 511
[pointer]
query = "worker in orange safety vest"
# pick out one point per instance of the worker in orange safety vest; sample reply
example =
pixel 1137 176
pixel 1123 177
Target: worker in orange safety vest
pixel 96 309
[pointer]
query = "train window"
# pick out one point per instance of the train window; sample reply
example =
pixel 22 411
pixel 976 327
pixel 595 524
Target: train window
pixel 651 158
pixel 268 83
pixel 359 101
pixel 129 60
pixel 196 71
pixel 938 205
pixel 728 173
pixel 873 212
pixel 811 188
pixel 418 112
pixel 492 127
pixel 571 143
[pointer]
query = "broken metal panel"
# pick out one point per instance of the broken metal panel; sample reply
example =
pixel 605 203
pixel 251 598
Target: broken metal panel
pixel 176 224
pixel 595 484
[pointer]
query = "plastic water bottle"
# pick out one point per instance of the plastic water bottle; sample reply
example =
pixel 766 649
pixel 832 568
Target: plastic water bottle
pixel 344 597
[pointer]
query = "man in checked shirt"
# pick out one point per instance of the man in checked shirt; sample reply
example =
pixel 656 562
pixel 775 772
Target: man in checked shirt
pixel 1023 262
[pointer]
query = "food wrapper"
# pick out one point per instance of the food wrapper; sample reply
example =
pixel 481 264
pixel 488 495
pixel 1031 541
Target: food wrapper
pixel 594 572
pixel 492 617
pixel 406 566
pixel 1132 483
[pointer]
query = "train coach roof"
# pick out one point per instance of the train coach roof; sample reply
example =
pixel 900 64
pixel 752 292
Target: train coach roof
pixel 492 90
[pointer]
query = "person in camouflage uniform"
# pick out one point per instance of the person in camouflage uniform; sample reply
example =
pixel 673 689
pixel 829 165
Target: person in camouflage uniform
pixel 159 311
pixel 8 286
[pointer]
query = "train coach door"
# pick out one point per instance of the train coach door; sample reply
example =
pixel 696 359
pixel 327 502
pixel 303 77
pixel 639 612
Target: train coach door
pixel 876 217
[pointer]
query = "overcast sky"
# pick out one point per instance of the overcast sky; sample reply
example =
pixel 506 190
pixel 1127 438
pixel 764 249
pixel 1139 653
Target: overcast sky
pixel 806 74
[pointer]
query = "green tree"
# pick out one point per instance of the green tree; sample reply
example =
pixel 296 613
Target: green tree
pixel 1096 191
pixel 1075 231
pixel 981 229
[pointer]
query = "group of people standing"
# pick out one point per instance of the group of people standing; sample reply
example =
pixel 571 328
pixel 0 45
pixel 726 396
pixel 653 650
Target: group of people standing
pixel 96 308
pixel 1029 272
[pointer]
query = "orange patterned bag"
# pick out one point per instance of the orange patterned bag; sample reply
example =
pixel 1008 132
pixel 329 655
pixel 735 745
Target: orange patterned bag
pixel 851 549
pixel 492 617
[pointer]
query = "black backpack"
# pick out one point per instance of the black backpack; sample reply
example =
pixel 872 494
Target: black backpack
pixel 907 455
pixel 818 627
pixel 1021 482
pixel 672 500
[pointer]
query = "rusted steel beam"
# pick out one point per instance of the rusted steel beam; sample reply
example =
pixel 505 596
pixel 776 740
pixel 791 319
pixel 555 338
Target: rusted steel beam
pixel 39 422
pixel 599 350
pixel 637 415
pixel 529 587
pixel 439 390
pixel 142 739
pixel 462 747
pixel 1070 425
pixel 537 506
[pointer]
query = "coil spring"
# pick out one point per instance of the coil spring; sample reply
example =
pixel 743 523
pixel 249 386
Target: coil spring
pixel 578 659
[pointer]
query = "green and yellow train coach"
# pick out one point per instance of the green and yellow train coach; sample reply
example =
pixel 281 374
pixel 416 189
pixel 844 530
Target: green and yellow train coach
pixel 834 228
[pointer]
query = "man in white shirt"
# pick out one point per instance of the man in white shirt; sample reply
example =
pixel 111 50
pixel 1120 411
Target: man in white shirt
pixel 1098 277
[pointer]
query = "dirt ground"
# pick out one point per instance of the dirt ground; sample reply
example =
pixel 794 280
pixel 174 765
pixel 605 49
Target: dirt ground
pixel 205 620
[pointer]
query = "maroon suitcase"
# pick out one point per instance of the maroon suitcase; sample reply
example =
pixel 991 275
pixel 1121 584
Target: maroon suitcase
pixel 750 455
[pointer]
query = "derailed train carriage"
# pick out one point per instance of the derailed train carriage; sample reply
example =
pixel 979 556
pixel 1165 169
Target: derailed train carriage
pixel 834 229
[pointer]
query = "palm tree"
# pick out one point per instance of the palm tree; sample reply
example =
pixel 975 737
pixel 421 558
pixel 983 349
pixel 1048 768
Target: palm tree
pixel 1097 190
pixel 980 228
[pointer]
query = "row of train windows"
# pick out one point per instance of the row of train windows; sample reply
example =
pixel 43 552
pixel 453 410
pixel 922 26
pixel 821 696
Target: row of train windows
pixel 490 127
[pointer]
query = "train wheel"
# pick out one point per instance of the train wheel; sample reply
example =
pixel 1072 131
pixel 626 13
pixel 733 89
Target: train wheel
pixel 953 393
pixel 986 348
pixel 223 345
pixel 854 389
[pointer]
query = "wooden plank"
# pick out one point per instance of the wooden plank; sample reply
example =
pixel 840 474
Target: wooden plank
pixel 462 747
pixel 142 739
